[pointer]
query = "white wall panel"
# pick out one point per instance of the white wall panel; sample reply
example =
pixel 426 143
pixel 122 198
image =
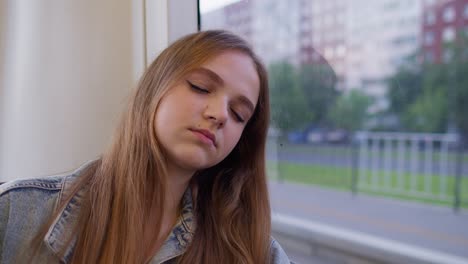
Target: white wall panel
pixel 66 70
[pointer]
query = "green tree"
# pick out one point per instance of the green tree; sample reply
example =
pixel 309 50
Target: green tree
pixel 432 97
pixel 457 75
pixel 405 86
pixel 289 110
pixel 428 113
pixel 350 110
pixel 425 109
pixel 318 82
pixel 460 97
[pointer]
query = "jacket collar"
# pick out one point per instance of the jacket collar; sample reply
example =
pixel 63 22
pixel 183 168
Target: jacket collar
pixel 61 230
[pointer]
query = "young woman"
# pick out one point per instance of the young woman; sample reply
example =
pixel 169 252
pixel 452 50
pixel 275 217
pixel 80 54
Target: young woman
pixel 183 182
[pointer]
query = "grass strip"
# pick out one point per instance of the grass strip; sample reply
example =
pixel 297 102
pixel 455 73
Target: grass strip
pixel 404 183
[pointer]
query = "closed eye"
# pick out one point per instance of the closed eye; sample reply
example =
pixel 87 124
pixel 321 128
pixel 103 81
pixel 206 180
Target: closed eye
pixel 197 88
pixel 237 116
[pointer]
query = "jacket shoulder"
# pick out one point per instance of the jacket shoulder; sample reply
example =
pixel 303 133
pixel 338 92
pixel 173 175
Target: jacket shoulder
pixel 277 254
pixel 48 183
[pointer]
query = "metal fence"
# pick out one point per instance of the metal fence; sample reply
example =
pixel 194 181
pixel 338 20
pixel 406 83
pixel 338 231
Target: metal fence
pixel 411 164
pixel 408 165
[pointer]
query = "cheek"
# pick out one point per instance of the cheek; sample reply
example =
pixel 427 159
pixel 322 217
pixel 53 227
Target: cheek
pixel 160 124
pixel 164 120
pixel 232 138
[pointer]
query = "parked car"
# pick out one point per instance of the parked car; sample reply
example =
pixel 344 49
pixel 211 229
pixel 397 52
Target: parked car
pixel 338 136
pixel 316 135
pixel 297 137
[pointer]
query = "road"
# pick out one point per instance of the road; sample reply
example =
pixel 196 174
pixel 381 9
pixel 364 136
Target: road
pixel 431 227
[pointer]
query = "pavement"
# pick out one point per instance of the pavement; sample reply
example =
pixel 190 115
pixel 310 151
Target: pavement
pixel 436 229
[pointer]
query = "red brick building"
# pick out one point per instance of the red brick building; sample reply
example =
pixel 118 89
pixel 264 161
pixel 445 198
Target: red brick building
pixel 443 21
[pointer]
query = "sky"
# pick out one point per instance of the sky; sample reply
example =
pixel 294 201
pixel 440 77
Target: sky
pixel 209 5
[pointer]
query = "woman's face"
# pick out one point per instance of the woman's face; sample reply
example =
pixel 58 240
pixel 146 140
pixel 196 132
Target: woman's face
pixel 200 120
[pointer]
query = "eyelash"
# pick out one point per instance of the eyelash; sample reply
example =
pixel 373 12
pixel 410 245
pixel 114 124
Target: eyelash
pixel 238 117
pixel 198 89
pixel 205 91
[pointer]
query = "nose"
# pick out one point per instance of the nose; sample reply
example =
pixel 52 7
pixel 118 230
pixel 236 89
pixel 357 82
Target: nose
pixel 217 111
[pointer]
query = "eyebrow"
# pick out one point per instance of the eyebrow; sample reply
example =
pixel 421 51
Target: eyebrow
pixel 211 74
pixel 215 77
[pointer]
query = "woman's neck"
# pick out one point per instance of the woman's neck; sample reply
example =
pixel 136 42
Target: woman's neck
pixel 177 182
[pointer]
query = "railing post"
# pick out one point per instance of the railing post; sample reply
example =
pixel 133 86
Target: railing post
pixel 355 161
pixel 458 174
pixel 280 145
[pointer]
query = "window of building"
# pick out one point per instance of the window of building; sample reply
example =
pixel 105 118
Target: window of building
pixel 430 18
pixel 447 55
pixel 465 11
pixel 449 14
pixel 316 40
pixel 328 20
pixel 340 18
pixel 316 7
pixel 429 38
pixel 448 35
pixel 340 51
pixel 317 22
pixel 329 53
pixel 390 6
pixel 429 57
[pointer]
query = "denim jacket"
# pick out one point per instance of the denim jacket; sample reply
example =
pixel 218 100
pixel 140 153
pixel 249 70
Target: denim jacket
pixel 25 205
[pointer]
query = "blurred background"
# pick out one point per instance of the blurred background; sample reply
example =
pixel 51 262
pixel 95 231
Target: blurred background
pixel 367 149
pixel 368 145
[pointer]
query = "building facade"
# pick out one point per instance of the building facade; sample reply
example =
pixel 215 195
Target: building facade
pixel 363 41
pixel 443 21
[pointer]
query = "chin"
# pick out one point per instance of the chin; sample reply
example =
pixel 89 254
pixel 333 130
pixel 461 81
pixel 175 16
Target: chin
pixel 195 161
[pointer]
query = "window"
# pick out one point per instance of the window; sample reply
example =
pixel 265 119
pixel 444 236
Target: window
pixel 328 20
pixel 448 35
pixel 391 6
pixel 447 55
pixel 340 50
pixel 430 18
pixel 429 57
pixel 449 14
pixel 316 7
pixel 316 40
pixel 329 53
pixel 317 22
pixel 306 41
pixel 357 65
pixel 340 18
pixel 465 11
pixel 429 38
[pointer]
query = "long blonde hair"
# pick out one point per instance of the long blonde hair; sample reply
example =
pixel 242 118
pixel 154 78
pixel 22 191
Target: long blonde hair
pixel 233 210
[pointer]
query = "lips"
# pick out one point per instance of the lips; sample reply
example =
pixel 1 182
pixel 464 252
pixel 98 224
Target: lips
pixel 207 134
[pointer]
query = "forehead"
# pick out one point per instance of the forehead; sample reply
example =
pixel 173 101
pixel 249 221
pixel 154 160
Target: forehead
pixel 238 73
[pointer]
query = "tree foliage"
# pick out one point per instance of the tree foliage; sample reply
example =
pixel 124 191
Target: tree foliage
pixel 350 110
pixel 404 88
pixel 428 113
pixel 459 82
pixel 301 96
pixel 318 81
pixel 433 97
pixel 289 110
